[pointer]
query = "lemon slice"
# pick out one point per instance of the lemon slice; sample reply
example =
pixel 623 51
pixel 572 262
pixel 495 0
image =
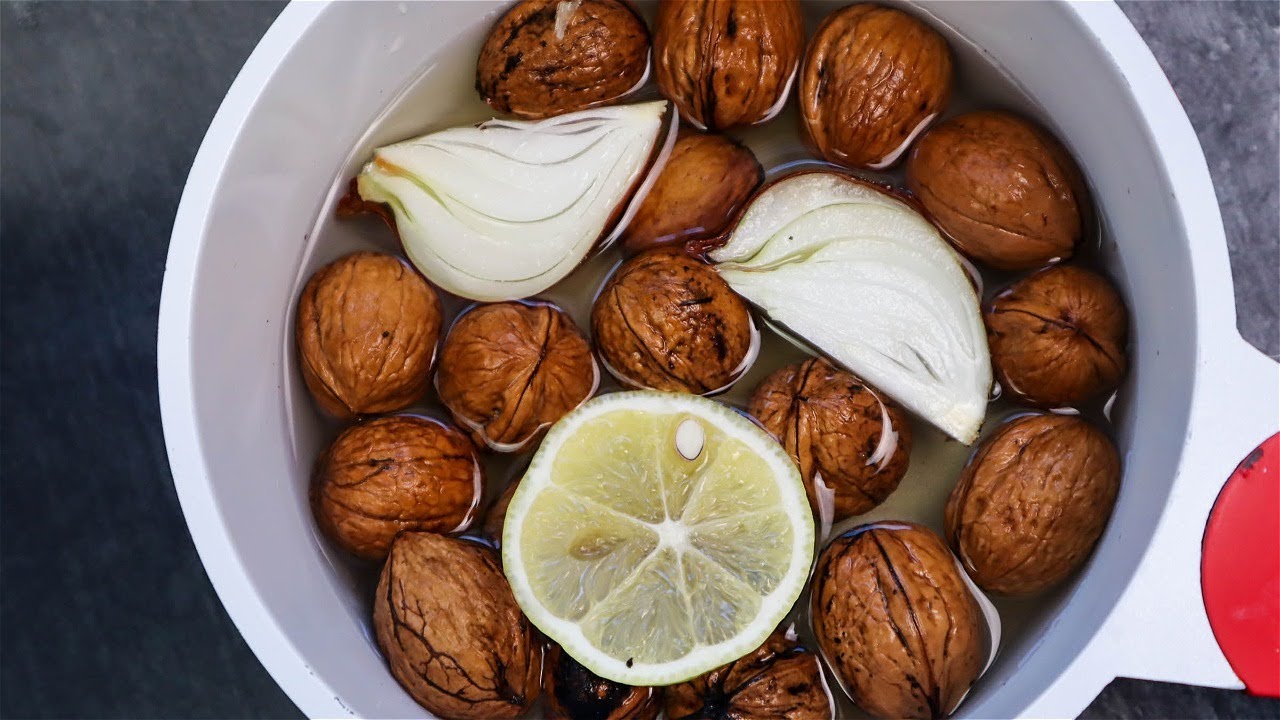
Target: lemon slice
pixel 656 536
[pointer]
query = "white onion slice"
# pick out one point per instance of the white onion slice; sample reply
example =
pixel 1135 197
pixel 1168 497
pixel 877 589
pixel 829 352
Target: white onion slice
pixel 863 277
pixel 506 209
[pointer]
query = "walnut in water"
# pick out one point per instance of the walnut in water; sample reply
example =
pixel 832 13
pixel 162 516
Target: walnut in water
pixel 452 632
pixel 666 321
pixel 850 442
pixel 401 472
pixel 509 370
pixel 780 680
pixel 367 330
pixel 573 692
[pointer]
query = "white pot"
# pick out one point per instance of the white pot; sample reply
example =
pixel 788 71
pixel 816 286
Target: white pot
pixel 1199 396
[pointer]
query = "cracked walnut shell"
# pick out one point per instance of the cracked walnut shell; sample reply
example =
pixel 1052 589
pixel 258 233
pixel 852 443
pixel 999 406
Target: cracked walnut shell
pixel 848 441
pixel 873 78
pixel 509 370
pixel 550 57
pixel 452 632
pixel 780 680
pixel 394 473
pixel 573 692
pixel 1032 502
pixel 666 321
pixel 367 330
pixel 1058 337
pixel 896 620
pixel 1002 189
pixel 726 63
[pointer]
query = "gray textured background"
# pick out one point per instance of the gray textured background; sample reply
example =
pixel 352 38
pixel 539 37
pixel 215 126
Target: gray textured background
pixel 104 608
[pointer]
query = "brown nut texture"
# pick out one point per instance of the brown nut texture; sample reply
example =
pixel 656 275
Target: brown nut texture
pixel 573 692
pixel 666 321
pixel 509 370
pixel 394 473
pixel 726 63
pixel 704 183
pixel 367 330
pixel 1058 337
pixel 780 680
pixel 495 519
pixel 896 620
pixel 840 431
pixel 1002 189
pixel 1032 502
pixel 550 57
pixel 873 78
pixel 452 632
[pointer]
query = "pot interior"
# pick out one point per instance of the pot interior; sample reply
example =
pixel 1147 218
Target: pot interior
pixel 367 74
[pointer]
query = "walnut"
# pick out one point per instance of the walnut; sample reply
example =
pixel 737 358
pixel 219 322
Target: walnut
pixel 367 329
pixel 897 621
pixel 780 680
pixel 727 62
pixel 667 321
pixel 495 519
pixel 840 432
pixel 1004 190
pixel 550 57
pixel 1058 337
pixel 706 180
pixel 509 370
pixel 573 692
pixel 1032 502
pixel 873 78
pixel 400 472
pixel 451 630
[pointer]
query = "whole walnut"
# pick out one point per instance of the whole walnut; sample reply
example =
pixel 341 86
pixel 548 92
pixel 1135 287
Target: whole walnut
pixel 727 62
pixel 780 680
pixel 897 621
pixel 840 432
pixel 394 473
pixel 705 181
pixel 1058 337
pixel 451 630
pixel 873 78
pixel 573 692
pixel 550 57
pixel 1004 190
pixel 509 370
pixel 667 321
pixel 1032 502
pixel 367 330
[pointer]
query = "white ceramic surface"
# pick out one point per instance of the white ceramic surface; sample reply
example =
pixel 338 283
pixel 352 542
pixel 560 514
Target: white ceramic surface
pixel 1200 398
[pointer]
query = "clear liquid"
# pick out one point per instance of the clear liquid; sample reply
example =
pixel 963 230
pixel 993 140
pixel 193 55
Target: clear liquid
pixel 444 96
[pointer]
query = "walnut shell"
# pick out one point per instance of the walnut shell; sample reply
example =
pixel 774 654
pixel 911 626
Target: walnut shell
pixel 573 692
pixel 509 370
pixel 1058 337
pixel 727 62
pixel 550 57
pixel 667 321
pixel 495 519
pixel 873 78
pixel 367 330
pixel 840 432
pixel 896 620
pixel 780 680
pixel 451 630
pixel 704 183
pixel 1002 189
pixel 1032 502
pixel 400 472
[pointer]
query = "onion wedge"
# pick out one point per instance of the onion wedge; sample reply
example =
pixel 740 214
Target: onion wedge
pixel 863 277
pixel 506 209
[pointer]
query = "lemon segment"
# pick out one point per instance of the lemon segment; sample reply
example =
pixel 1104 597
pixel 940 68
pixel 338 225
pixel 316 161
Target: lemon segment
pixel 656 536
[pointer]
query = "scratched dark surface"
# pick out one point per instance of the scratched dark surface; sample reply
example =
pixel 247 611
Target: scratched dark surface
pixel 104 608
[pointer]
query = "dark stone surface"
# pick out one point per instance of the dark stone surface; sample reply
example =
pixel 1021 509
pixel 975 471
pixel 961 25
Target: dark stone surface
pixel 104 608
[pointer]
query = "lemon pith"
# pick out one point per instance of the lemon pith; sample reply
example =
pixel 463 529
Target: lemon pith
pixel 656 536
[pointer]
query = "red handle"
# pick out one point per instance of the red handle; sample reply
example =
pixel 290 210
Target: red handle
pixel 1240 569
